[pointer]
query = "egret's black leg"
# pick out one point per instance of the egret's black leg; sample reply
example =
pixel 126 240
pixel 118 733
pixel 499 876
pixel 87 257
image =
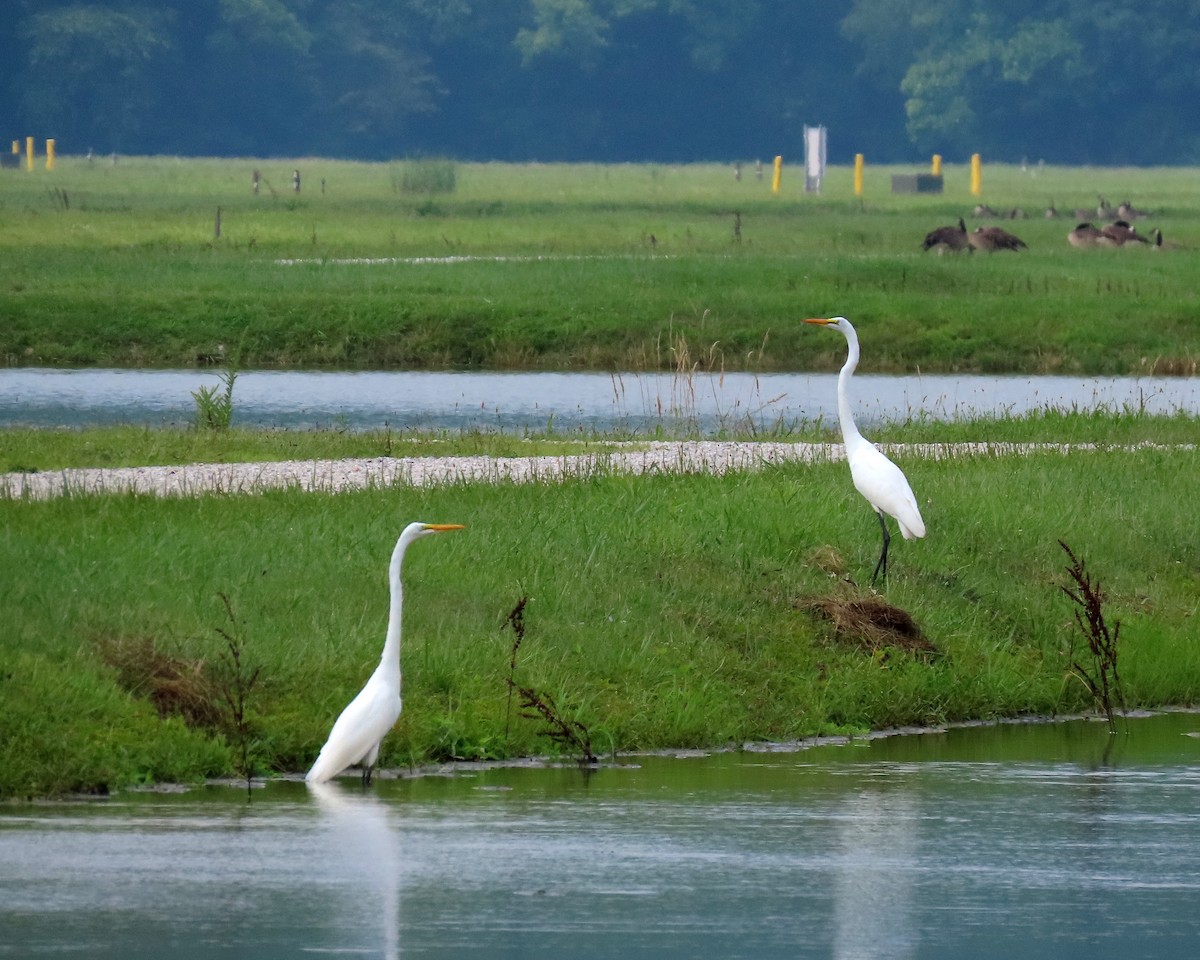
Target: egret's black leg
pixel 366 776
pixel 881 566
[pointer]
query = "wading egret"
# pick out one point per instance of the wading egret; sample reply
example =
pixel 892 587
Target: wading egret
pixel 875 476
pixel 358 732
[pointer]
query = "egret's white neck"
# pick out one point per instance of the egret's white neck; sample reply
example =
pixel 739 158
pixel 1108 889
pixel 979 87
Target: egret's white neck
pixel 390 661
pixel 850 432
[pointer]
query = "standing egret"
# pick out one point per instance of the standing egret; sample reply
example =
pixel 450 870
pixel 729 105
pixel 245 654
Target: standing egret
pixel 358 732
pixel 875 476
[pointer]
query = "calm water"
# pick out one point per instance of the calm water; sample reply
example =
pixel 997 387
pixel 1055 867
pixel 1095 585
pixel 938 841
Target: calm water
pixel 1054 841
pixel 572 401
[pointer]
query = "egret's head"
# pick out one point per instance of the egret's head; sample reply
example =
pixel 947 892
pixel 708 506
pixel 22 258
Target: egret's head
pixel 838 322
pixel 417 530
pixel 428 528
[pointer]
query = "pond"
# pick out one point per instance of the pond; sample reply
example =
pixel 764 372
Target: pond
pixel 1054 840
pixel 565 402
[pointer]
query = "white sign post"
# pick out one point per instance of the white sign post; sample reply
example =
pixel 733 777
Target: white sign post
pixel 814 158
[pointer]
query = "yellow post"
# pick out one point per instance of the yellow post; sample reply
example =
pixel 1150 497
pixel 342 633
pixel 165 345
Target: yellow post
pixel 49 154
pixel 16 148
pixel 858 174
pixel 976 175
pixel 936 167
pixel 778 175
pixel 29 153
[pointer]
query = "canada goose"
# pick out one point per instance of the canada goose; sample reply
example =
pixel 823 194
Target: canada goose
pixel 1121 233
pixel 1161 244
pixel 993 238
pixel 1082 214
pixel 1087 234
pixel 983 210
pixel 1051 212
pixel 1127 211
pixel 946 239
pixel 1016 213
pixel 1105 211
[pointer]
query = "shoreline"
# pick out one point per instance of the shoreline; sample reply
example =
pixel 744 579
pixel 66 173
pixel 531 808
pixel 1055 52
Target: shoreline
pixel 341 476
pixel 454 768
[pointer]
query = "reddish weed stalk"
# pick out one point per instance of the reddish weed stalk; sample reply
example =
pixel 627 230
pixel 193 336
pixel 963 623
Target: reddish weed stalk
pixel 1102 679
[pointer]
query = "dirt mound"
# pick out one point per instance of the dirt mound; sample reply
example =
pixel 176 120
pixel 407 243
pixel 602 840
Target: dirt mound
pixel 872 623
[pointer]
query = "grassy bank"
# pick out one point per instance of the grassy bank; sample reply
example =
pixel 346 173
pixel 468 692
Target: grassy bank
pixel 30 449
pixel 663 611
pixel 577 266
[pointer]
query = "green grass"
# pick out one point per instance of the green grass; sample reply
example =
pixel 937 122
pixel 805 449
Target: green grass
pixel 119 265
pixel 30 449
pixel 663 611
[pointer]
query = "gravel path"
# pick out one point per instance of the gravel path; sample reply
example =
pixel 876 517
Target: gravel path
pixel 335 476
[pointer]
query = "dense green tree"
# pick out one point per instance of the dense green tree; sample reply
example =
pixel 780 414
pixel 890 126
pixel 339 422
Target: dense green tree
pixel 371 77
pixel 1106 81
pixel 94 67
pixel 1103 81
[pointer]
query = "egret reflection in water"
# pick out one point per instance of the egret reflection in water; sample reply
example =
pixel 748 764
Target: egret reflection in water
pixel 362 844
pixel 1019 840
pixel 877 845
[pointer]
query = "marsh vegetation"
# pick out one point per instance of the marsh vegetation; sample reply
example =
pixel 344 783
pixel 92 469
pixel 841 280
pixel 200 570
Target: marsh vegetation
pixel 580 267
pixel 662 610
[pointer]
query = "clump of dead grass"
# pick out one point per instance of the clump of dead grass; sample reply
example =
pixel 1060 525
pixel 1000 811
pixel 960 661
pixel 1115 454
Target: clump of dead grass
pixel 871 623
pixel 177 686
pixel 1170 366
pixel 829 561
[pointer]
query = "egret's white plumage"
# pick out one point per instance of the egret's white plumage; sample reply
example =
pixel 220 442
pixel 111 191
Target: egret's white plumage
pixel 879 480
pixel 358 732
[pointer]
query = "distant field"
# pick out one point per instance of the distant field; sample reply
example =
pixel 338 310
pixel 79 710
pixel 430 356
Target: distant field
pixel 559 266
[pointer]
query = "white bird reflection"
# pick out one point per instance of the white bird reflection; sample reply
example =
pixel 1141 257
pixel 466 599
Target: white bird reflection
pixel 874 874
pixel 361 837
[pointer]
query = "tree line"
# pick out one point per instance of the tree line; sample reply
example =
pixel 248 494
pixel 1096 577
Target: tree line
pixel 1065 81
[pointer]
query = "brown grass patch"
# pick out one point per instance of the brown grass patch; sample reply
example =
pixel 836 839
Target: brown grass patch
pixel 872 624
pixel 176 686
pixel 1171 366
pixel 829 561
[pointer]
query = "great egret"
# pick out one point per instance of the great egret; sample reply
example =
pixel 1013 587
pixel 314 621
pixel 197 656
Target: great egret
pixel 875 476
pixel 358 732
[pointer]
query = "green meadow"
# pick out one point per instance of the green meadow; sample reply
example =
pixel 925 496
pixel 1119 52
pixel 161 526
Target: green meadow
pixel 578 267
pixel 662 611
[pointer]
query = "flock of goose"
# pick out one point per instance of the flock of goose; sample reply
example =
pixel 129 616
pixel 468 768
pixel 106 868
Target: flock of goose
pixel 952 239
pixel 1117 230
